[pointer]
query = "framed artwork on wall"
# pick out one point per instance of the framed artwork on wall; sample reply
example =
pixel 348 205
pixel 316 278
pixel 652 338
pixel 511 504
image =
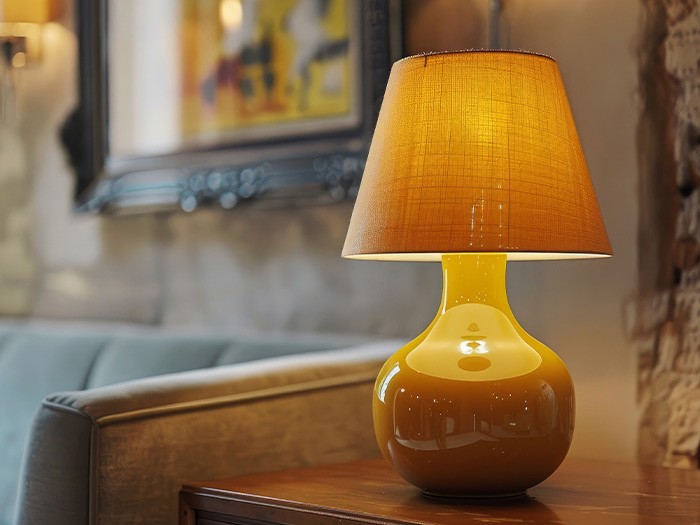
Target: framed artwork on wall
pixel 185 103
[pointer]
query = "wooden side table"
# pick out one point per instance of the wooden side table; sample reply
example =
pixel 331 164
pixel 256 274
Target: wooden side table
pixel 369 492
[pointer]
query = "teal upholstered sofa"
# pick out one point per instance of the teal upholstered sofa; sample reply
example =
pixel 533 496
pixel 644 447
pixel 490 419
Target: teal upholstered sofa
pixel 102 425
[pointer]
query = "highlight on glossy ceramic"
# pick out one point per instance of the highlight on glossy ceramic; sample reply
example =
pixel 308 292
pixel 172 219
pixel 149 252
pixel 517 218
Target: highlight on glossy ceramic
pixel 474 406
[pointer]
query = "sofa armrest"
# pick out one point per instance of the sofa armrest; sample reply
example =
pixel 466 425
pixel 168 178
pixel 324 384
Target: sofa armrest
pixel 119 454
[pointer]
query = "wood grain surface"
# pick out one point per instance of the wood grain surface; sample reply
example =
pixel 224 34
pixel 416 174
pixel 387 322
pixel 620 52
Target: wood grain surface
pixel 368 491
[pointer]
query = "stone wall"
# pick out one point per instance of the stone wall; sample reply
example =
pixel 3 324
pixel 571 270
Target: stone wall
pixel 668 314
pixel 17 265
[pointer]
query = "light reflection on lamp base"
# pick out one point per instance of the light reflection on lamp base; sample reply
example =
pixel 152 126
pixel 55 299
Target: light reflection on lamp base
pixel 474 429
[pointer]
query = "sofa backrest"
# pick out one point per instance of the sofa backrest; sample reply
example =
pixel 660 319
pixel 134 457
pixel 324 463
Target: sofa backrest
pixel 36 361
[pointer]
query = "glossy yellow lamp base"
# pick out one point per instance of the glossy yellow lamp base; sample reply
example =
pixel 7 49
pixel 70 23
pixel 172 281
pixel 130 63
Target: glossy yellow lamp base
pixel 474 406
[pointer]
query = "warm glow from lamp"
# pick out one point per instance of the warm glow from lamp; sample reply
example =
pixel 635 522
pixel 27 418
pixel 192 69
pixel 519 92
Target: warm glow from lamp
pixel 20 26
pixel 231 14
pixel 475 160
pixel 30 11
pixel 476 152
pixel 19 60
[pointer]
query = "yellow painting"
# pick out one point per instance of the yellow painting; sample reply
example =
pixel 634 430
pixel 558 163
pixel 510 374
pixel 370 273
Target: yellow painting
pixel 264 68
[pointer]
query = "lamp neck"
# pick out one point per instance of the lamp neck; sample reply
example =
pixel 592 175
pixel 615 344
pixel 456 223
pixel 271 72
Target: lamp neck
pixel 474 278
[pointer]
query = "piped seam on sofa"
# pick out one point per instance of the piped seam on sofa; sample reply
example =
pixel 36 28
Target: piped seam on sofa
pixel 88 375
pixel 206 403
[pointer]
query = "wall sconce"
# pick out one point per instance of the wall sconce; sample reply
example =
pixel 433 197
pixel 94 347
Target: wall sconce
pixel 20 29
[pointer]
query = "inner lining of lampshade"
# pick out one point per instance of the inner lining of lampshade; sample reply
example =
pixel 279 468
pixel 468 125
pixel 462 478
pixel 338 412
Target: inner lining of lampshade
pixel 511 256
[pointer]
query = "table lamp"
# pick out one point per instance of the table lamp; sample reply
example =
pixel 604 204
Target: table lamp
pixel 475 160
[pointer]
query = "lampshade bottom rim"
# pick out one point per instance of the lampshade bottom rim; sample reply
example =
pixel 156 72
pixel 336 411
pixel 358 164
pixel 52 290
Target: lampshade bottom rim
pixel 511 256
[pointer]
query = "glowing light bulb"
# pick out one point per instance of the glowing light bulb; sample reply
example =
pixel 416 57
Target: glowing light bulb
pixel 19 59
pixel 231 13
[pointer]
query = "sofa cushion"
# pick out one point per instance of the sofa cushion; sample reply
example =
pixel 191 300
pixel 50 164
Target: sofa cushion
pixel 134 357
pixel 5 332
pixel 32 365
pixel 252 349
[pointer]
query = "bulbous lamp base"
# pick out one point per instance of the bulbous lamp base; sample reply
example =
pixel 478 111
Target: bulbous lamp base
pixel 474 406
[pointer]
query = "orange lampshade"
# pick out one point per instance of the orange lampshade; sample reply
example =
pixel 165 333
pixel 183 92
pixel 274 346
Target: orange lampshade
pixel 31 11
pixel 476 152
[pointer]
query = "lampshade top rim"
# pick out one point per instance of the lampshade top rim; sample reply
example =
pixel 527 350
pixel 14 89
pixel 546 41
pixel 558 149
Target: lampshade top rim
pixel 475 50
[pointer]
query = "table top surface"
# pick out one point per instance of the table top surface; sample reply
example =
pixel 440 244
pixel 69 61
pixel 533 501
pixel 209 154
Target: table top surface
pixel 580 492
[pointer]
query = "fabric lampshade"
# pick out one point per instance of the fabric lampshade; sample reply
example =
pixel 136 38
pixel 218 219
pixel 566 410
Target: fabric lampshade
pixel 476 151
pixel 32 11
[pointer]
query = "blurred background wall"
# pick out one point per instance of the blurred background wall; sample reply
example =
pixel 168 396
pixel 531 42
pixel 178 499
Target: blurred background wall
pixel 281 269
